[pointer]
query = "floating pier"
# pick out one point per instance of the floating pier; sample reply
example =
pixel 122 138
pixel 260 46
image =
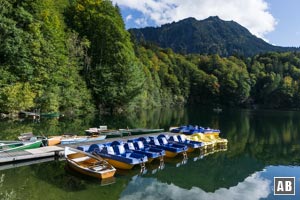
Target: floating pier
pixel 43 152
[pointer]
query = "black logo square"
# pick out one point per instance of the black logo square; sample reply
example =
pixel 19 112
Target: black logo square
pixel 284 185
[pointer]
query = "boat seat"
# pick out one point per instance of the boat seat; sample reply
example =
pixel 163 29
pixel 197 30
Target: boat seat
pixel 164 141
pixel 94 148
pixel 80 159
pixel 110 150
pixel 98 168
pixel 140 145
pixel 84 148
pixel 156 142
pixel 120 149
pixel 129 146
pixel 174 138
pixel 181 138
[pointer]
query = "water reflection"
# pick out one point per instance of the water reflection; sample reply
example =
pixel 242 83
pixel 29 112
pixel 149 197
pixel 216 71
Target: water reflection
pixel 262 144
pixel 157 118
pixel 6 194
pixel 253 187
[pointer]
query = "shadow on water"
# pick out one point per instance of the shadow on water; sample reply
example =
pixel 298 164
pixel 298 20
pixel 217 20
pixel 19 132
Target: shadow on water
pixel 257 140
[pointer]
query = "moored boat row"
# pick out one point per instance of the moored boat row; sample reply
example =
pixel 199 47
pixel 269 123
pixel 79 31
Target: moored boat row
pixel 210 137
pixel 125 154
pixel 136 151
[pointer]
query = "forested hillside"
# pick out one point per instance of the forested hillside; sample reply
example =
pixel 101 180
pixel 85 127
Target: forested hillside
pixel 40 60
pixel 77 57
pixel 209 36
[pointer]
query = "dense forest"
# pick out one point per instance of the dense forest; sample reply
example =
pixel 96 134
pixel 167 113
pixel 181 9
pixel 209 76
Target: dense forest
pixel 76 57
pixel 209 36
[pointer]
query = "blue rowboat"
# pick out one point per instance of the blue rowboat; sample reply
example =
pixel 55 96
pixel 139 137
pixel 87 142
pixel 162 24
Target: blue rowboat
pixel 190 130
pixel 116 154
pixel 138 147
pixel 171 149
pixel 78 139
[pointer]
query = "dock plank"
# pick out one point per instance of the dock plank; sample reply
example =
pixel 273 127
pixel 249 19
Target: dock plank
pixel 42 152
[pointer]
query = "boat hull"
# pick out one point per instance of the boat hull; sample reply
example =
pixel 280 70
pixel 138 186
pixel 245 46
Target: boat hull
pixel 190 150
pixel 54 141
pixel 21 146
pixel 170 154
pixel 144 131
pixel 89 173
pixel 82 139
pixel 119 165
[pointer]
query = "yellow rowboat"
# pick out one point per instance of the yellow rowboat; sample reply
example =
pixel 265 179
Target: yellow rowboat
pixel 54 140
pixel 220 141
pixel 200 137
pixel 88 164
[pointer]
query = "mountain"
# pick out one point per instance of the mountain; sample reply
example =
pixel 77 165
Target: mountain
pixel 208 36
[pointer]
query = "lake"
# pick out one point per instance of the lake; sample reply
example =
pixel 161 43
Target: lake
pixel 263 144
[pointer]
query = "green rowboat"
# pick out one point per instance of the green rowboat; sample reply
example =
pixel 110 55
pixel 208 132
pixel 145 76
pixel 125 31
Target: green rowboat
pixel 17 145
pixel 140 131
pixel 50 115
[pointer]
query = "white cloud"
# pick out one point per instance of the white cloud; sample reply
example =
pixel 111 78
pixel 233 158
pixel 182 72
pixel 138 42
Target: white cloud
pixel 129 17
pixel 253 14
pixel 141 22
pixel 253 187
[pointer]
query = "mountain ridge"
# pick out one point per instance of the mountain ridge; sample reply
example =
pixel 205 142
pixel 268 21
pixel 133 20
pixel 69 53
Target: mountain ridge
pixel 209 36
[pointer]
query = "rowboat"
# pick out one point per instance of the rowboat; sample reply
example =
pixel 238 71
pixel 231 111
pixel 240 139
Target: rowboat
pixel 109 133
pixel 217 110
pixel 190 130
pixel 19 145
pixel 115 133
pixel 25 136
pixel 116 154
pixel 140 131
pixel 54 140
pixel 78 139
pixel 88 164
pixel 220 141
pixel 50 115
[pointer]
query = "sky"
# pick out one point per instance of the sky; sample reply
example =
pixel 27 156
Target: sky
pixel 276 21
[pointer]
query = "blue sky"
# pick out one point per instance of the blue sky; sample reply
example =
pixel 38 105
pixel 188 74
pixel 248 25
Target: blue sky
pixel 276 21
pixel 287 15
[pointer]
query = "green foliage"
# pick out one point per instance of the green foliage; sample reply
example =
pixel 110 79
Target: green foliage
pixel 72 56
pixel 16 97
pixel 114 75
pixel 36 59
pixel 276 81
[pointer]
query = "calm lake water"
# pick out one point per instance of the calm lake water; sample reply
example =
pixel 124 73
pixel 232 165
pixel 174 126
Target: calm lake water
pixel 262 144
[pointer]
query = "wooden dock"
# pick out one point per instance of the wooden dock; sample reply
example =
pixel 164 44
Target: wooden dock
pixel 53 151
pixel 43 152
